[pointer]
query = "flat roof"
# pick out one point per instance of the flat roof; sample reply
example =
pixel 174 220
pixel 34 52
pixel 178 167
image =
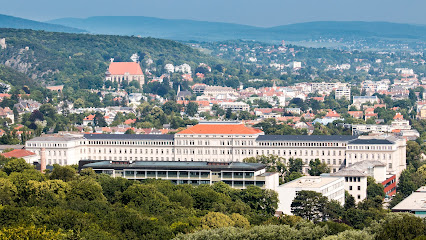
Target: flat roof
pixel 129 136
pixel 305 138
pixel 310 182
pixel 176 165
pixel 371 141
pixel 55 138
pixel 415 202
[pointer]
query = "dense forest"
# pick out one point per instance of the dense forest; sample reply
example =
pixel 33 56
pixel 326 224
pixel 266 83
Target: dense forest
pixel 65 204
pixel 63 58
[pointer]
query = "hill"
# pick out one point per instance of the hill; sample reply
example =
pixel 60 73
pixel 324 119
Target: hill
pixel 81 59
pixel 21 23
pixel 177 29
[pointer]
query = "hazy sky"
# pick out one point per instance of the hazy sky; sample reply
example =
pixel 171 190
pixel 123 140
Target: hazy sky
pixel 251 12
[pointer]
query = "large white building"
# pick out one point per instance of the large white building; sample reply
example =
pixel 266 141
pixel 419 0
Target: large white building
pixel 220 142
pixel 329 186
pixel 125 72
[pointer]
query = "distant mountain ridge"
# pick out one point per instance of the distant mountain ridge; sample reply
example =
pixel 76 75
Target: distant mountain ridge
pixel 21 23
pixel 177 29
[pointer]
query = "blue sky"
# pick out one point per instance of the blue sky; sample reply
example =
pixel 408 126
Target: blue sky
pixel 250 12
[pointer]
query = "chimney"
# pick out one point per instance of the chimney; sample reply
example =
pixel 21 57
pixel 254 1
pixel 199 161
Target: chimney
pixel 43 160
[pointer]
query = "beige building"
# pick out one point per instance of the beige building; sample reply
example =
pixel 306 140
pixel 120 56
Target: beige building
pixel 329 186
pixel 236 174
pixel 125 71
pixel 221 142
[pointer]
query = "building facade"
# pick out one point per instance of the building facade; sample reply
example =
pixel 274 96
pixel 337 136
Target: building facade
pixel 221 142
pixel 328 186
pixel 125 71
pixel 235 174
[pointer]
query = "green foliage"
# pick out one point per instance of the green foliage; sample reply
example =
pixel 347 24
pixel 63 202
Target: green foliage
pixel 317 167
pixel 64 173
pixel 399 226
pixel 309 205
pixel 374 189
pixel 16 165
pixel 216 220
pixel 30 232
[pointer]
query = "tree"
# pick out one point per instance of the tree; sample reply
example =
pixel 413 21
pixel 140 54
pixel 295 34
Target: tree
pixel 228 113
pixel 129 131
pixel 8 192
pixel 399 226
pixel 317 168
pixel 295 165
pixel 16 165
pixel 349 201
pixel 374 189
pixel 191 109
pixel 216 220
pixel 309 205
pixel 64 173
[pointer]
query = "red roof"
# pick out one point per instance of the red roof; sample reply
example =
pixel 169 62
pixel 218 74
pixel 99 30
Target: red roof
pixel 332 114
pixel 129 121
pixel 18 153
pixel 398 116
pixel 90 117
pixel 120 68
pixel 220 129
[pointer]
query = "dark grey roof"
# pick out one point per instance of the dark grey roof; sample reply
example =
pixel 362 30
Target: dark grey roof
pixel 175 165
pixel 314 138
pixel 370 141
pixel 129 136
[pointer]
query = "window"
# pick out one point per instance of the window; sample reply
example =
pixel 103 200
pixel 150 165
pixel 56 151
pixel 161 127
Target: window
pixel 359 188
pixel 350 188
pixel 359 196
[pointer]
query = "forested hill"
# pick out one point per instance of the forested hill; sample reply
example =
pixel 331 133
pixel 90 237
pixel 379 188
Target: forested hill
pixel 180 29
pixel 21 23
pixel 73 59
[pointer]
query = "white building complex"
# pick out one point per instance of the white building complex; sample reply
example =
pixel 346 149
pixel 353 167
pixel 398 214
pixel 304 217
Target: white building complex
pixel 330 187
pixel 220 142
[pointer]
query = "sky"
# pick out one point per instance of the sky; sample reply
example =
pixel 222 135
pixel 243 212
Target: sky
pixel 264 13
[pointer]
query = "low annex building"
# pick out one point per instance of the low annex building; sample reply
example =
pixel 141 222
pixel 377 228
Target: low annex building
pixel 236 174
pixel 331 187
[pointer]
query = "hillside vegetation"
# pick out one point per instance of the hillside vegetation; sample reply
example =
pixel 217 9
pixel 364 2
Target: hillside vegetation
pixel 82 59
pixel 21 23
pixel 179 29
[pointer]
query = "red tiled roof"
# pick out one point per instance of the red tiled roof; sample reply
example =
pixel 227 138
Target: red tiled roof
pixel 398 116
pixel 120 68
pixel 90 117
pixel 18 153
pixel 220 129
pixel 129 121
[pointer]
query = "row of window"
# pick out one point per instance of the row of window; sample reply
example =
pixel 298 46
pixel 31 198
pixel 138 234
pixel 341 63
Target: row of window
pixel 370 147
pixel 150 143
pixel 384 156
pixel 302 144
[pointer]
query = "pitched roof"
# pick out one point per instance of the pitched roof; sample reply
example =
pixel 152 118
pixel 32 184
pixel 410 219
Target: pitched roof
pixel 18 153
pixel 313 138
pixel 220 128
pixel 120 68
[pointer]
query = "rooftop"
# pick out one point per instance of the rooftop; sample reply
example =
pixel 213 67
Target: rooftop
pixel 55 138
pixel 220 128
pixel 309 182
pixel 18 153
pixel 176 165
pixel 314 138
pixel 415 202
pixel 370 141
pixel 129 136
pixel 120 68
